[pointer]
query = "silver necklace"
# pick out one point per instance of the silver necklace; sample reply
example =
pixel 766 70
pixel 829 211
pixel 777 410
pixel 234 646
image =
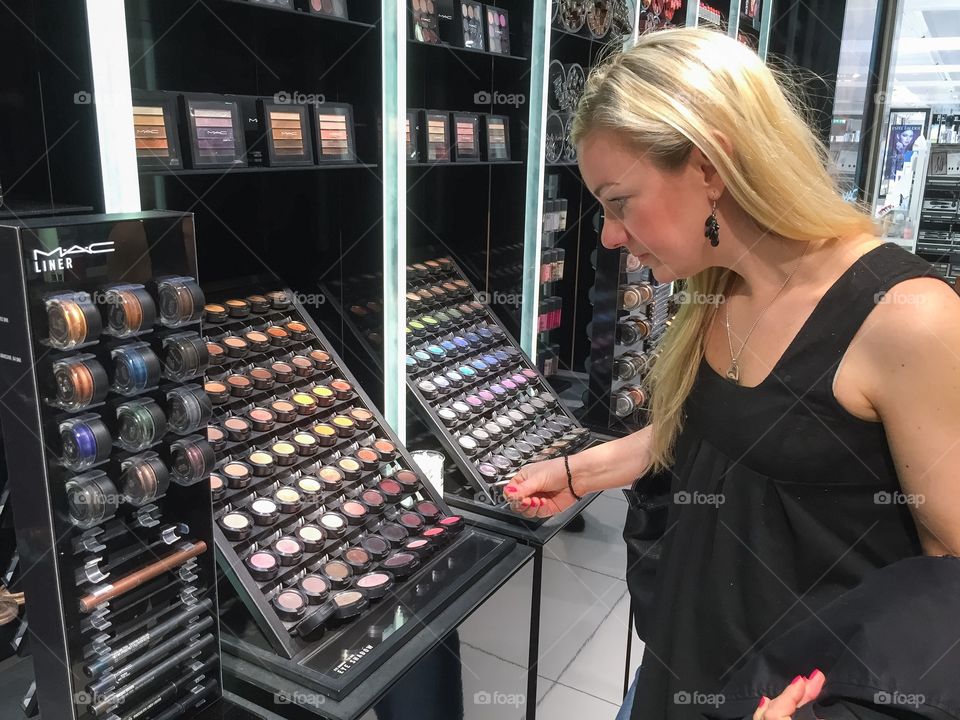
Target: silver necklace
pixel 733 372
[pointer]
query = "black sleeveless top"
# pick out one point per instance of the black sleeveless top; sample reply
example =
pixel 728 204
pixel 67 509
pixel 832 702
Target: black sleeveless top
pixel 781 500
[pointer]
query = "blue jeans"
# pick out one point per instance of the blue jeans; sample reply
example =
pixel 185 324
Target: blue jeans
pixel 627 706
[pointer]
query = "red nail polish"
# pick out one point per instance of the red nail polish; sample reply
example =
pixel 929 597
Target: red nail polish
pixel 797 679
pixel 815 671
pixel 763 701
pixel 525 502
pixel 510 489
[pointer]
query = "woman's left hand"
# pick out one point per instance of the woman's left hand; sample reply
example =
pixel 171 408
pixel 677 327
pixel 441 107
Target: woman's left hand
pixel 801 691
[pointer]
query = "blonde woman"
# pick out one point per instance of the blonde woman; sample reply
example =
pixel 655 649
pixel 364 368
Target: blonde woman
pixel 806 403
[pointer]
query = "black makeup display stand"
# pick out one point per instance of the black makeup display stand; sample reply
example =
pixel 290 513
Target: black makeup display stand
pixel 346 654
pixel 73 635
pixel 612 274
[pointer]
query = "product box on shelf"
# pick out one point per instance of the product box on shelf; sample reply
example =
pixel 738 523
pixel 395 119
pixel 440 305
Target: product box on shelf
pixel 156 131
pixel 333 546
pixel 103 423
pixel 461 23
pixel 213 129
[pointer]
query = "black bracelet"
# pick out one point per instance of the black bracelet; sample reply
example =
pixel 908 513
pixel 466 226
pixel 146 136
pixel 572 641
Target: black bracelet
pixel 566 465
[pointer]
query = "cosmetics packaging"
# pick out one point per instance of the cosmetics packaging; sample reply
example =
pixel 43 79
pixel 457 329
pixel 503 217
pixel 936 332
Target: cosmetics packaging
pixel 599 18
pixel 144 479
pixel 462 23
pixel 85 441
pixel 214 131
pixel 424 21
pixel 498 30
pixel 333 130
pixel 286 129
pixel 435 136
pixel 79 381
pixel 496 138
pixel 72 320
pixel 91 499
pixel 285 4
pixel 188 409
pixel 155 130
pixel 571 14
pixel 130 310
pixel 192 460
pixel 140 424
pixel 413 135
pixel 185 356
pixel 135 368
pixel 334 8
pixel 466 136
pixel 180 299
pixel 627 400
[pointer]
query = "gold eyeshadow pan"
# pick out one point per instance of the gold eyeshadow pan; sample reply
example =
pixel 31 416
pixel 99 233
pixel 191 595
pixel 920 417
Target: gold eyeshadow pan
pixel 287 132
pixel 155 130
pixel 333 129
pixel 214 131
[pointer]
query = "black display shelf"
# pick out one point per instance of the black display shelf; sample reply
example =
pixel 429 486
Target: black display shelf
pixel 346 654
pixel 466 51
pixel 264 169
pixel 303 14
pixel 476 163
pixel 13 209
pixel 247 679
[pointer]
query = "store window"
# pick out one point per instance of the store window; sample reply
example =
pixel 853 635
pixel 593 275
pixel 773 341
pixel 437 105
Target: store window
pixel 918 147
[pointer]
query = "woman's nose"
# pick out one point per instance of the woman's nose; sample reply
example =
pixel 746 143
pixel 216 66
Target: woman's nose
pixel 613 235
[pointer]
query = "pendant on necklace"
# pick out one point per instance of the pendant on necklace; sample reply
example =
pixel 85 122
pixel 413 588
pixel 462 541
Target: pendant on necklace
pixel 733 373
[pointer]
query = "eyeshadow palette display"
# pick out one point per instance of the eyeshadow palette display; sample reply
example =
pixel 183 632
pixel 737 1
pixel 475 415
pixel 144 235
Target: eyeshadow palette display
pixel 492 408
pixel 498 32
pixel 479 393
pixel 155 129
pixel 434 137
pixel 334 8
pixel 104 425
pixel 496 146
pixel 425 21
pixel 466 140
pixel 214 131
pixel 326 530
pixel 226 131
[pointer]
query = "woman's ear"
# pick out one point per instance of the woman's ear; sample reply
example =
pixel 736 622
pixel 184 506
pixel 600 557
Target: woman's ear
pixel 704 167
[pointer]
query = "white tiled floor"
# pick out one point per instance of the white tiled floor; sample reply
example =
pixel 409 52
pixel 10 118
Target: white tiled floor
pixel 583 638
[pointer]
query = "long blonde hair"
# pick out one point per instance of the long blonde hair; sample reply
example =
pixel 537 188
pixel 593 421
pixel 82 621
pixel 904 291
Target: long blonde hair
pixel 674 90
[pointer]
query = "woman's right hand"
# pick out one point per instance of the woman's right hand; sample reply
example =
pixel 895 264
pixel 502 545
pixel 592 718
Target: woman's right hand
pixel 540 489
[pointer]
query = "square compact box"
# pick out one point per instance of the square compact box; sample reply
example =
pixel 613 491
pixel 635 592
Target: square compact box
pixel 462 23
pixel 496 138
pixel 287 133
pixel 333 132
pixel 155 130
pixel 498 30
pixel 425 21
pixel 434 134
pixel 466 136
pixel 213 131
pixel 334 8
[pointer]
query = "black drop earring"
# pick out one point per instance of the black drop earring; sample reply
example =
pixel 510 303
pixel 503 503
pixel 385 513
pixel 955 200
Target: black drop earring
pixel 711 228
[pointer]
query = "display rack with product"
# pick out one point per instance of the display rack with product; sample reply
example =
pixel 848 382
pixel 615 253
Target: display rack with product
pixel 108 466
pixel 327 532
